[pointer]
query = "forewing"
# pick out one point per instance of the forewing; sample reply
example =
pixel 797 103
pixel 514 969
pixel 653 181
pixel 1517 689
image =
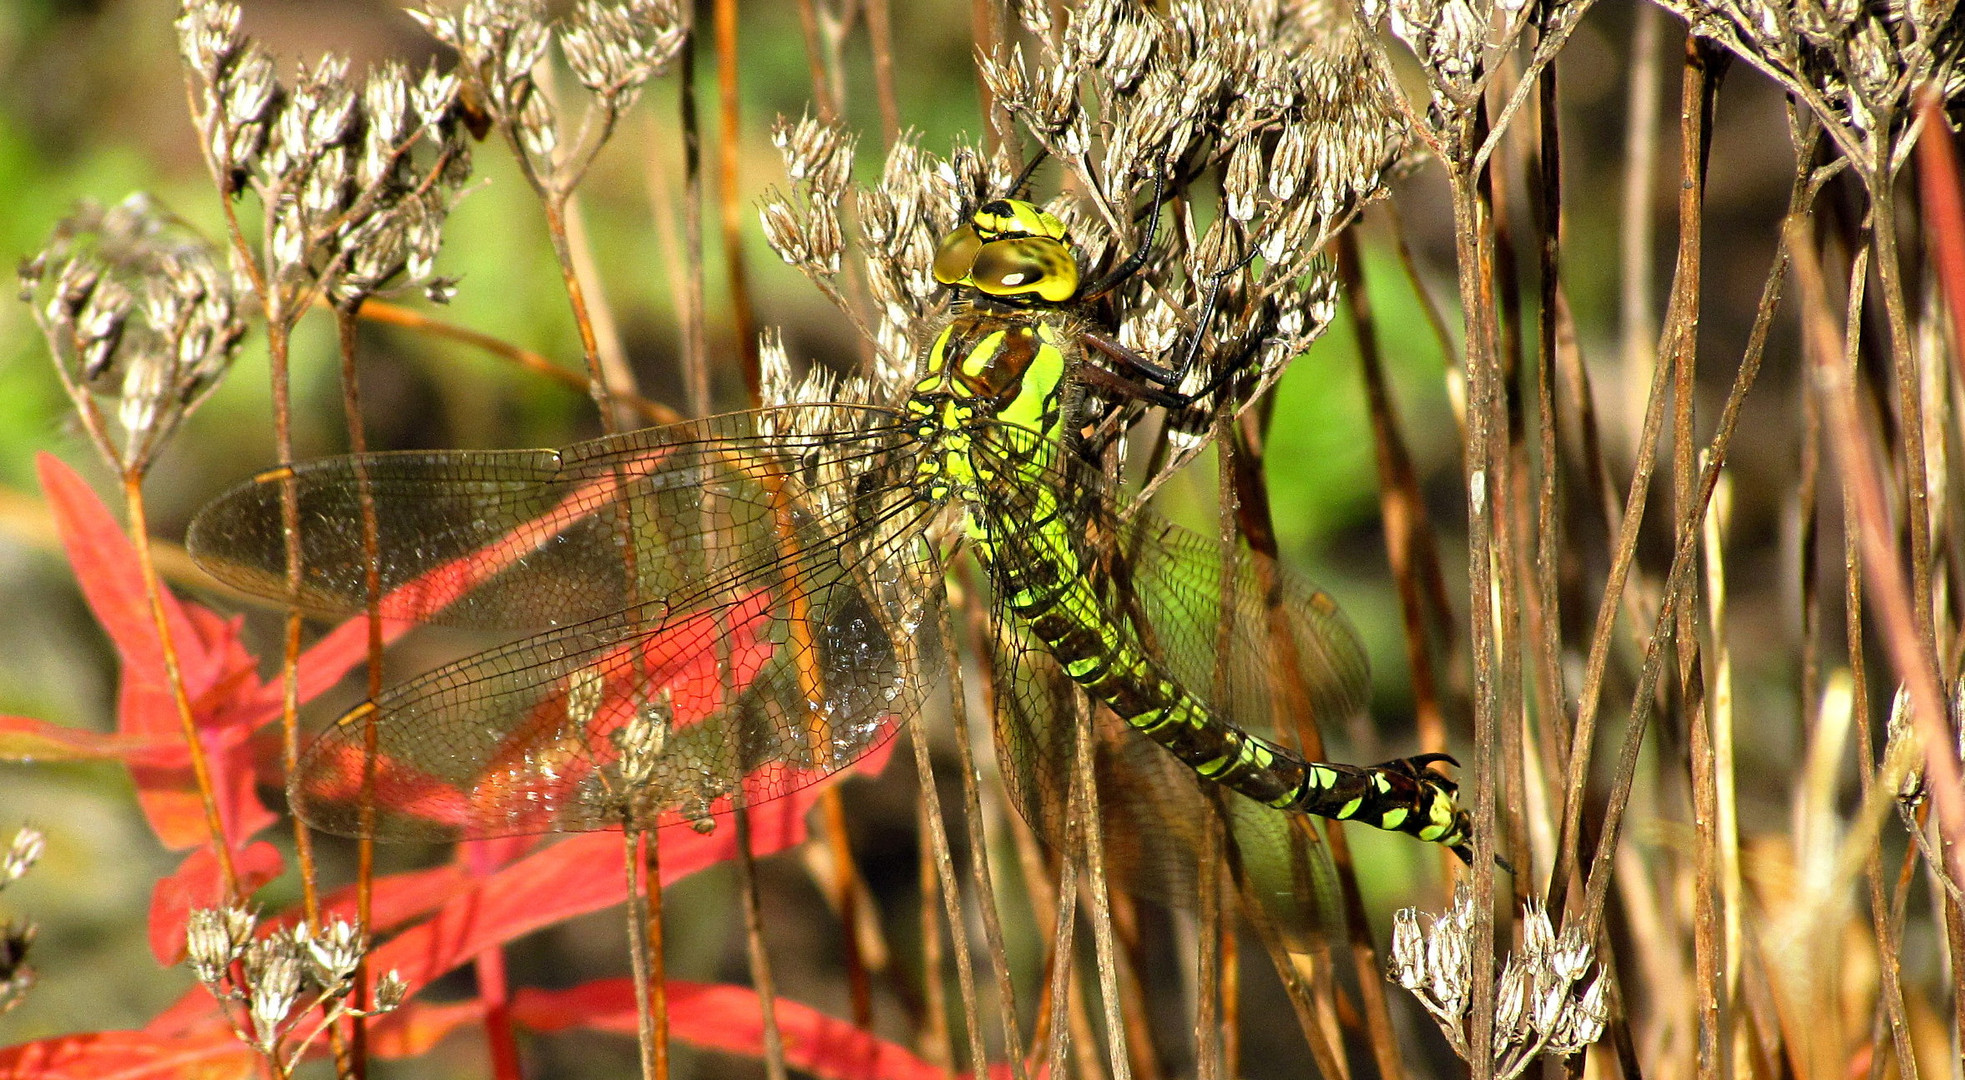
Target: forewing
pixel 527 538
pixel 769 594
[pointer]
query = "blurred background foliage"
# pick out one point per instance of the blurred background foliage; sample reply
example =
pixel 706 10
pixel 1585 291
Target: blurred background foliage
pixel 92 105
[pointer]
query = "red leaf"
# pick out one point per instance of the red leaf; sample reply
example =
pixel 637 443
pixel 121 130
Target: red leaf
pixel 729 1018
pixel 28 741
pixel 129 1055
pixel 198 883
pixel 220 676
pixel 578 875
pixel 417 1028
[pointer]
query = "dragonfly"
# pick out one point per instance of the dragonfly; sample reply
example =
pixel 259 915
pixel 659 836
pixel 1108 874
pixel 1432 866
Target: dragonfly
pixel 721 611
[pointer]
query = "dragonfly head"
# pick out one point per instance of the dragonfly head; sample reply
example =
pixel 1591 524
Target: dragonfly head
pixel 1010 250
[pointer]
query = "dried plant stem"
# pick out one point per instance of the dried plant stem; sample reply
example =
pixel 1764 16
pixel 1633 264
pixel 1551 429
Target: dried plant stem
pixel 1913 663
pixel 950 887
pixel 880 37
pixel 822 59
pixel 1678 349
pixel 1943 210
pixel 1640 164
pixel 1726 816
pixel 1486 424
pixel 194 746
pixel 732 211
pixel 695 348
pixel 645 954
pixel 1544 601
pixel 278 342
pixel 1086 807
pixel 600 386
pixel 1509 487
pixel 1910 408
pixel 972 814
pixel 345 325
pixel 1211 928
pixel 606 330
pixel 760 958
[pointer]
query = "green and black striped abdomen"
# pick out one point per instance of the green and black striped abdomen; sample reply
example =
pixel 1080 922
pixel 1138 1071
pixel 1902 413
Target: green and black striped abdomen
pixel 1042 579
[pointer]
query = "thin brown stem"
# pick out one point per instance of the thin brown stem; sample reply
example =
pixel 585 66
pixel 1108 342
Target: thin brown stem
pixel 880 37
pixel 194 744
pixel 1888 594
pixel 760 957
pixel 345 325
pixel 695 349
pixel 732 210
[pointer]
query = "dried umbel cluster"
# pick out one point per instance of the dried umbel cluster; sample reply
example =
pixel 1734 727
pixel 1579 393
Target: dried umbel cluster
pixel 354 177
pixel 1854 65
pixel 288 984
pixel 1265 128
pixel 1457 44
pixel 1541 1002
pixel 612 49
pixel 142 317
pixel 16 977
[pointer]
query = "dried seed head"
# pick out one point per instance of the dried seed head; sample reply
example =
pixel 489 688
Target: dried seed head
pixel 614 50
pixel 784 231
pixel 389 992
pixel 26 849
pixel 208 945
pixel 16 976
pixel 644 738
pixel 818 155
pixel 137 311
pixel 208 36
pixel 274 975
pixel 1406 959
pixel 333 952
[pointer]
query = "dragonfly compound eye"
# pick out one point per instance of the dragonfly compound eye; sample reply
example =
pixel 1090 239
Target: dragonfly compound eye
pixel 1030 265
pixel 956 255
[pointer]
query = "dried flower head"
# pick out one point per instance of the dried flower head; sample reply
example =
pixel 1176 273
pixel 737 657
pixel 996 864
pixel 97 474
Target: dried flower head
pixel 355 175
pixel 16 977
pixel 1269 129
pixel 142 318
pixel 1541 1002
pixel 613 49
pixel 23 852
pixel 1852 67
pixel 287 986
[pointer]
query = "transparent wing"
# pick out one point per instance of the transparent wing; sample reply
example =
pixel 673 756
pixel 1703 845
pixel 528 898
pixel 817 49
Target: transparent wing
pixel 742 598
pixel 1208 622
pixel 522 539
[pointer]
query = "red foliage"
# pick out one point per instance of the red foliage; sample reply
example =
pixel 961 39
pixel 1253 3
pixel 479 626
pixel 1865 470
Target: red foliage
pixel 445 917
pixel 129 1055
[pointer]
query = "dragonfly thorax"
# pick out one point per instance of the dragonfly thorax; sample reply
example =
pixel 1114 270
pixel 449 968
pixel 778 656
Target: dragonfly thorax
pixel 989 378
